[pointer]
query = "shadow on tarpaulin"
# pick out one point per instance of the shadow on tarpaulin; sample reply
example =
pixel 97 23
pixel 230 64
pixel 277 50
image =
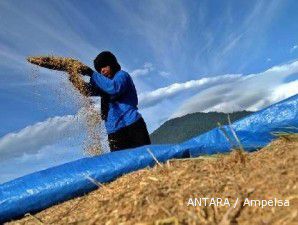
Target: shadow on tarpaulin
pixel 40 190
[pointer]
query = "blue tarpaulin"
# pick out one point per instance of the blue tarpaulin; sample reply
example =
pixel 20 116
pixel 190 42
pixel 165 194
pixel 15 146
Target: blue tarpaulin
pixel 42 189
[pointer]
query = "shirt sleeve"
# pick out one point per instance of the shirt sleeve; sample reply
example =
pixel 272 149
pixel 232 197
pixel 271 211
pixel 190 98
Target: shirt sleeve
pixel 113 87
pixel 93 90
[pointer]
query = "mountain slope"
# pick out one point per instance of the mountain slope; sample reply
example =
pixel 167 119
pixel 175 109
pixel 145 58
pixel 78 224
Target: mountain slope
pixel 183 128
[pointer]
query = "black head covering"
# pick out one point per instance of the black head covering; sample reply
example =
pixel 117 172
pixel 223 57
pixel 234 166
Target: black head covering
pixel 104 59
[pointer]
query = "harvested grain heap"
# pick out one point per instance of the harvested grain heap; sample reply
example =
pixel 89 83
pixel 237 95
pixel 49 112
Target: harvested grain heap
pixel 160 195
pixel 74 68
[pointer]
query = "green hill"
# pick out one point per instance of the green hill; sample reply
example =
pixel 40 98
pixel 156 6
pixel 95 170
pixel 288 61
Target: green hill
pixel 183 128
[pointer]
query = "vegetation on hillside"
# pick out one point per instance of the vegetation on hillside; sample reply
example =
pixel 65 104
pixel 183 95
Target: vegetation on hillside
pixel 183 128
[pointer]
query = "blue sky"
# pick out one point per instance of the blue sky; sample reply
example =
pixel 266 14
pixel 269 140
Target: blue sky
pixel 184 56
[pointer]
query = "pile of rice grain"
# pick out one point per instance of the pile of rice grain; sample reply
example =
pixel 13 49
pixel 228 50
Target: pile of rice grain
pixel 74 68
pixel 160 195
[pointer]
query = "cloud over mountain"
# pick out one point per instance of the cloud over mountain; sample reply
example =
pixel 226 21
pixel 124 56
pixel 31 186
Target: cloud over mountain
pixel 252 92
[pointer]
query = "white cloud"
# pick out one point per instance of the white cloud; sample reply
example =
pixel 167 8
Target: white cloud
pixel 156 96
pixel 284 91
pixel 252 92
pixel 293 48
pixel 32 138
pixel 147 68
pixel 164 74
pixel 221 93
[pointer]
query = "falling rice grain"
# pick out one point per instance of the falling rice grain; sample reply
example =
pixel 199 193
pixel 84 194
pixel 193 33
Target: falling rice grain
pixel 74 68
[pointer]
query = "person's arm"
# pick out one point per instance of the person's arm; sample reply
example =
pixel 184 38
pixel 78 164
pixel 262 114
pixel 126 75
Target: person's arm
pixel 94 90
pixel 80 84
pixel 113 87
pixel 86 89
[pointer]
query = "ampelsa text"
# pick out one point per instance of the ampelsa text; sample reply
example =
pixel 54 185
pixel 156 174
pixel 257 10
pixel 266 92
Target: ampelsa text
pixel 265 203
pixel 208 202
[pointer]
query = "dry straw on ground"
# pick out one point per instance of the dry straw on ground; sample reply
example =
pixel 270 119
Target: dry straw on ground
pixel 74 68
pixel 159 195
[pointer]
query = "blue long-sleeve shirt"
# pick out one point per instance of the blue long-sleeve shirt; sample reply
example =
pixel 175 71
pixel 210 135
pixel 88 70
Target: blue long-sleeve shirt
pixel 123 97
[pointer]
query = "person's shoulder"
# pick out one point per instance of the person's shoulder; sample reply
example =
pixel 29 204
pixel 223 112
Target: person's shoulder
pixel 122 73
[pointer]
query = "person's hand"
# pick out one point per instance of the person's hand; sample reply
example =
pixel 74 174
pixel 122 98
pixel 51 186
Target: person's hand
pixel 79 83
pixel 86 70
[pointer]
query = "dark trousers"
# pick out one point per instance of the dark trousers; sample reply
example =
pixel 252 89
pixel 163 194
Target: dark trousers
pixel 132 136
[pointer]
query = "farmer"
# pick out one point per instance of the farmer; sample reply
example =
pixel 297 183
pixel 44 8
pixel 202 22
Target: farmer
pixel 125 126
